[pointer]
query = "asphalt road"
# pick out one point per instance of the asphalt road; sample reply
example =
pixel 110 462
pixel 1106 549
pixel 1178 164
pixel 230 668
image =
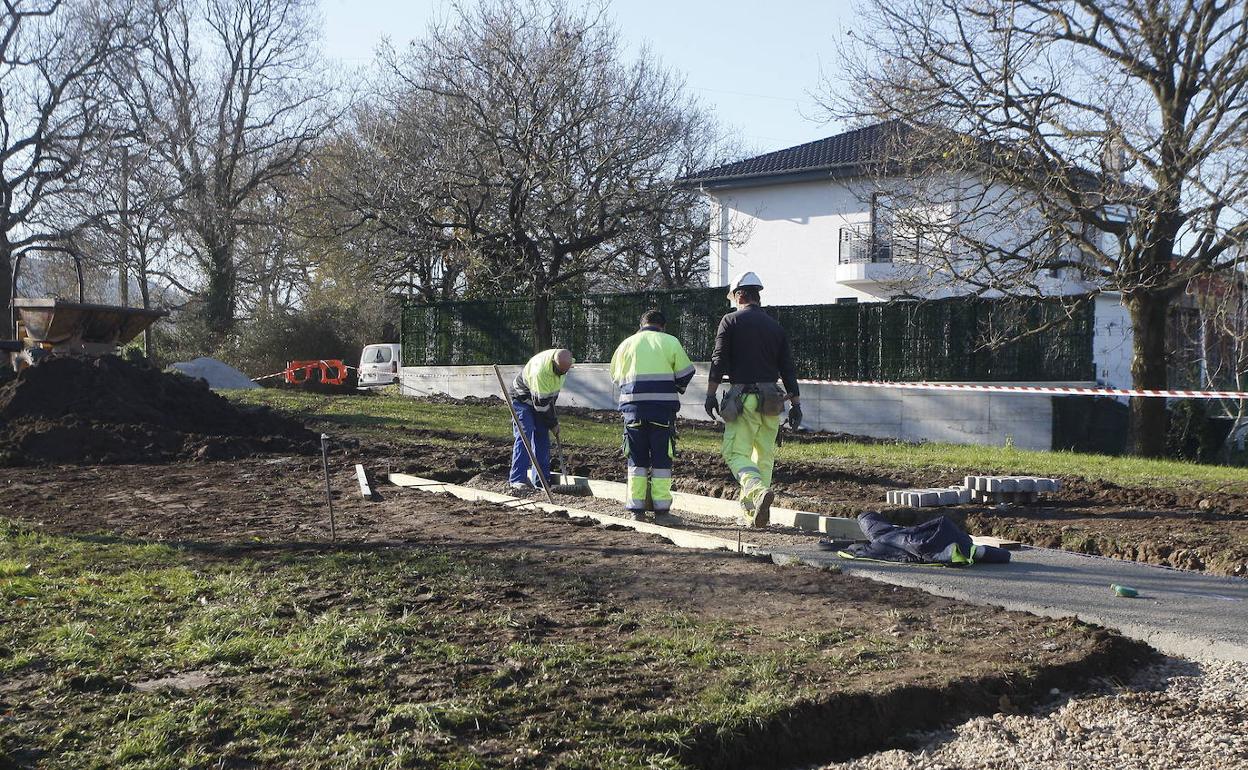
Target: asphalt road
pixel 1191 614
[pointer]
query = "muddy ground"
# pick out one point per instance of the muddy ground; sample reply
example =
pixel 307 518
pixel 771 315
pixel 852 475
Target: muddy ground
pixel 1205 530
pixel 950 660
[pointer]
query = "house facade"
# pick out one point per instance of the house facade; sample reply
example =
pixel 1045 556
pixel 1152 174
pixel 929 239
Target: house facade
pixel 821 228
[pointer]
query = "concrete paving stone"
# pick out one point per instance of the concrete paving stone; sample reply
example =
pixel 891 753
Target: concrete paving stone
pixel 964 495
pixel 948 497
pixel 1026 484
pixel 1009 484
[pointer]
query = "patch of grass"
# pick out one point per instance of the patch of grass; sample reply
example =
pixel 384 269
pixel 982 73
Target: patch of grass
pixel 387 416
pixel 323 661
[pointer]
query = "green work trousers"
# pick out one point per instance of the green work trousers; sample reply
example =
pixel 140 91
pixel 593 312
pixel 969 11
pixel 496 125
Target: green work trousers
pixel 750 449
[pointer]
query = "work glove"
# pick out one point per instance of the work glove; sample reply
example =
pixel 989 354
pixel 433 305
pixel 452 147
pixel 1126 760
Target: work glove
pixel 795 416
pixel 712 405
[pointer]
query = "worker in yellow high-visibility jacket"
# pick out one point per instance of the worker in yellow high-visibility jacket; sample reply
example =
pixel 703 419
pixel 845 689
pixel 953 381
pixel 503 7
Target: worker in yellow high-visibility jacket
pixel 533 395
pixel 651 370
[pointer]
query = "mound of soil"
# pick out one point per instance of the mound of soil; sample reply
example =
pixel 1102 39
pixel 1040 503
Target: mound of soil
pixel 105 410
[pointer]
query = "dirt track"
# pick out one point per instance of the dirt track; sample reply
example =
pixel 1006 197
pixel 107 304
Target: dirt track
pixel 1188 529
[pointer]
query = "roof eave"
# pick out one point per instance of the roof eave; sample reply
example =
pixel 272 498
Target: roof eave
pixel 769 178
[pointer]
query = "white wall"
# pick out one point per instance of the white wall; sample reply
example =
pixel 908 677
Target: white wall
pixel 789 234
pixel 959 418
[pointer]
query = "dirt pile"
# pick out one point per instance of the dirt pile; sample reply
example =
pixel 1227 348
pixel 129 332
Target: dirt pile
pixel 105 410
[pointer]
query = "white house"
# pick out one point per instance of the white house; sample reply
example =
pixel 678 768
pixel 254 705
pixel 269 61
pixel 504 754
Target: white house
pixel 818 223
pixel 815 221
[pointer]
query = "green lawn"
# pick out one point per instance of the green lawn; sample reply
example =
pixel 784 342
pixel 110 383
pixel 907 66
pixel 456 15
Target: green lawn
pixel 378 414
pixel 381 658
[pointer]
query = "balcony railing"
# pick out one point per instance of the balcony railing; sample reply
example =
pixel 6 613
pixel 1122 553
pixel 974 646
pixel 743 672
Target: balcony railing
pixel 859 243
pixel 864 243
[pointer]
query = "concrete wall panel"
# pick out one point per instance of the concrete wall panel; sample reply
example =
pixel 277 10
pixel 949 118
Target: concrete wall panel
pixel 960 418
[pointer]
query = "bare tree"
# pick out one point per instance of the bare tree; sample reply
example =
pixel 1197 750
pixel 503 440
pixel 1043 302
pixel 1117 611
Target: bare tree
pixel 53 97
pixel 544 146
pixel 369 195
pixel 230 97
pixel 1098 139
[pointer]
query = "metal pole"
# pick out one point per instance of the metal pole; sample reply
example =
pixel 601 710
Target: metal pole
pixel 515 419
pixel 329 497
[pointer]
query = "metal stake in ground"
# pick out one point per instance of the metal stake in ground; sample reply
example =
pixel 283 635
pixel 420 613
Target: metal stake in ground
pixel 524 439
pixel 329 495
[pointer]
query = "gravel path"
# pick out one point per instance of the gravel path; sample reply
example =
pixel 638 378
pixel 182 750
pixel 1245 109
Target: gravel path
pixel 1171 716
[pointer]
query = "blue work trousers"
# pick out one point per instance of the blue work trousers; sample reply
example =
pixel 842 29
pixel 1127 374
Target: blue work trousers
pixel 539 438
pixel 648 446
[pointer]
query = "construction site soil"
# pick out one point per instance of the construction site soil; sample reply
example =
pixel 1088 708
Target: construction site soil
pixel 1204 530
pixel 106 410
pixel 265 507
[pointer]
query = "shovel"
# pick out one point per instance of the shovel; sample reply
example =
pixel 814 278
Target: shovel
pixel 566 489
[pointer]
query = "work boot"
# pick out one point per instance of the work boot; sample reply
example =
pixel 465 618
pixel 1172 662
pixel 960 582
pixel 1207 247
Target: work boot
pixel 762 515
pixel 637 515
pixel 746 519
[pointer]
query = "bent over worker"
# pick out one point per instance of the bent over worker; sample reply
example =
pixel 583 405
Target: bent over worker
pixel 651 370
pixel 533 395
pixel 752 350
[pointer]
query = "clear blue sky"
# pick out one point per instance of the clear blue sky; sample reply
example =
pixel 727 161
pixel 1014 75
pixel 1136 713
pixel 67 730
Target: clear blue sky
pixel 751 62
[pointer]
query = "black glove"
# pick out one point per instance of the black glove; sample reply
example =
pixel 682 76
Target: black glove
pixel 712 405
pixel 795 416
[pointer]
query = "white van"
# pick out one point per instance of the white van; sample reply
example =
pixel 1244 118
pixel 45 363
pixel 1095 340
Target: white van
pixel 379 365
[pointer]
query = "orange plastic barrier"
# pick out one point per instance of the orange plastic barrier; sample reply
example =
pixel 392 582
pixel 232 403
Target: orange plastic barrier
pixel 299 372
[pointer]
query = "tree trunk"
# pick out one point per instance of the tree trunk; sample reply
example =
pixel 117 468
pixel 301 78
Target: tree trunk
pixel 219 299
pixel 7 280
pixel 543 339
pixel 145 291
pixel 1149 370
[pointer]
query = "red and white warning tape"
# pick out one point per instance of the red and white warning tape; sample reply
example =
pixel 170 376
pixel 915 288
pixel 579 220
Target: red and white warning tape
pixel 1037 389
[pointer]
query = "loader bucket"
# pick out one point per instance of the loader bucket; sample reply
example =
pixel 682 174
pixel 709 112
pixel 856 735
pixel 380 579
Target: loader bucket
pixel 76 327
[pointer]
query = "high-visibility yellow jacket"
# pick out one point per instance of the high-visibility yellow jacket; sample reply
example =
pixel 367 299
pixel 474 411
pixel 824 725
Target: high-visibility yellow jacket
pixel 539 384
pixel 651 370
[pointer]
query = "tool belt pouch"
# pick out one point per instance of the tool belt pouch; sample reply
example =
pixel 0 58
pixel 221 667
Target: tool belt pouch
pixel 731 405
pixel 770 399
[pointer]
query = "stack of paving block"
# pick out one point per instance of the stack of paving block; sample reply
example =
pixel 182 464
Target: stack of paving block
pixel 926 498
pixel 1009 489
pixel 977 489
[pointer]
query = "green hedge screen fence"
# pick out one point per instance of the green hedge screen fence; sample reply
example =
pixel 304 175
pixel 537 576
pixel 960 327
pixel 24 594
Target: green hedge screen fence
pixel 968 339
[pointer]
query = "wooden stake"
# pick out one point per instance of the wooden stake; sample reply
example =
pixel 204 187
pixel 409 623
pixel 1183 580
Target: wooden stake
pixel 329 495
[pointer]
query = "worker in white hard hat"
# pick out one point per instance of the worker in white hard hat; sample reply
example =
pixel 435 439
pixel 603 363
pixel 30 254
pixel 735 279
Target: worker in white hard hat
pixel 752 351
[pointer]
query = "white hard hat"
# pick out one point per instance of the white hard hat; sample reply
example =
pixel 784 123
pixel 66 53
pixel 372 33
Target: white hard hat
pixel 746 280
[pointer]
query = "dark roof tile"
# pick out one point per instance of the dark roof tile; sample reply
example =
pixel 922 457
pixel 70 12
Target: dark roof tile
pixel 848 150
